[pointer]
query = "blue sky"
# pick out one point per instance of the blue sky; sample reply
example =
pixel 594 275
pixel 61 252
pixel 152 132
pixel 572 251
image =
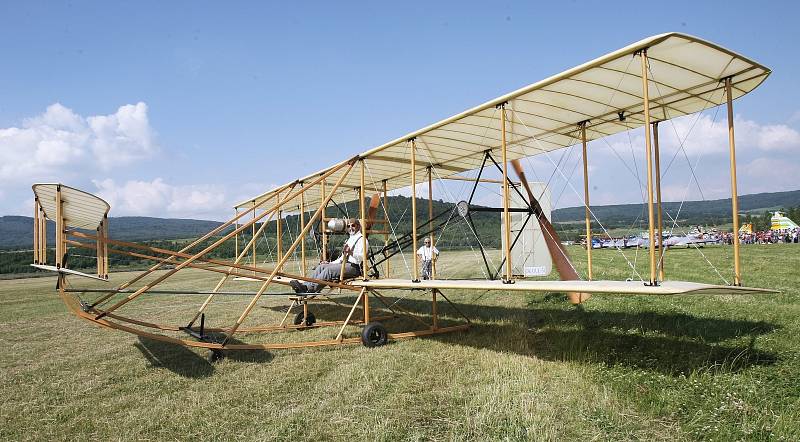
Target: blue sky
pixel 179 109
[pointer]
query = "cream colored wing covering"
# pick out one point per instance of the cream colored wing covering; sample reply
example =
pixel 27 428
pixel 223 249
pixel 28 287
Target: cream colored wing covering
pixel 685 76
pixel 81 210
pixel 611 287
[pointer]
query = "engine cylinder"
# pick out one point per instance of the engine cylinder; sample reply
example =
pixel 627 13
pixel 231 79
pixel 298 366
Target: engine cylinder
pixel 336 225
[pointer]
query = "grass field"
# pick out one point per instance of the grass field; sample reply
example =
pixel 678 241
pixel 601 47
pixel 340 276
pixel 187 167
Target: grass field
pixel 531 368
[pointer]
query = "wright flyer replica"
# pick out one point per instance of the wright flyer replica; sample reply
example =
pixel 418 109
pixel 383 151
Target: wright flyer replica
pixel 639 86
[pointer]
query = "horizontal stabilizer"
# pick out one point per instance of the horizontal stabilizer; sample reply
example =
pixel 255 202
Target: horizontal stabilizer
pixel 66 271
pixel 82 210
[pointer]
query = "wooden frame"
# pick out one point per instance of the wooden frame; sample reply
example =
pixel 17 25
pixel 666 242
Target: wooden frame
pixel 236 238
pixel 414 207
pixel 651 251
pixel 303 241
pixel 587 212
pixel 661 250
pixel 171 259
pixel 285 257
pixel 59 228
pixel 107 317
pixel 430 220
pixel 36 226
pixel 506 216
pixel 386 224
pixel 363 221
pixel 279 229
pixel 117 322
pixel 737 270
pixel 42 237
pixel 323 227
pixel 99 250
pixel 213 246
pixel 253 242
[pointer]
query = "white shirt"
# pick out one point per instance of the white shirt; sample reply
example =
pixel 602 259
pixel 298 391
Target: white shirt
pixel 426 252
pixel 356 245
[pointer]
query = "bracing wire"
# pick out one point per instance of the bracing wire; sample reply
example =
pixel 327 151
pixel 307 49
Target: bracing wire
pixel 389 221
pixel 591 212
pixel 451 196
pixel 681 142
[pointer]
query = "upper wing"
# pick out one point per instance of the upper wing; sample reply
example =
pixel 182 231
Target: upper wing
pixel 685 76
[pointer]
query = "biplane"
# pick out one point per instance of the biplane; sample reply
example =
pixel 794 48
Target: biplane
pixel 639 86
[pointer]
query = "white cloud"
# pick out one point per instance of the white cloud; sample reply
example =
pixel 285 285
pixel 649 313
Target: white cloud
pixel 122 137
pixel 57 116
pixel 42 144
pixel 711 136
pixel 770 174
pixel 249 190
pixel 777 137
pixel 702 134
pixel 160 199
pixel 422 191
pixel 59 140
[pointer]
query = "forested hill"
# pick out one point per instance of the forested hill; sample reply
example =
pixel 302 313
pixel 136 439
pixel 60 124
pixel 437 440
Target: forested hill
pixel 16 231
pixel 692 212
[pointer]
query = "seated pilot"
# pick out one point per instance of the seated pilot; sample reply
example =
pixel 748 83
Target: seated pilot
pixel 352 252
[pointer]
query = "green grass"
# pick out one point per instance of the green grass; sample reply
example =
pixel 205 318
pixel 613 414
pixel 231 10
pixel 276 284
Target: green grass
pixel 531 368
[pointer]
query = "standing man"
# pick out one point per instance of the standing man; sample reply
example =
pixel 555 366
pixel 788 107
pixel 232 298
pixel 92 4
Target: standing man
pixel 427 255
pixel 352 256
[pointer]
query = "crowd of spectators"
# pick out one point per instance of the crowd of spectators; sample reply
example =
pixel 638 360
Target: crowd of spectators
pixel 765 237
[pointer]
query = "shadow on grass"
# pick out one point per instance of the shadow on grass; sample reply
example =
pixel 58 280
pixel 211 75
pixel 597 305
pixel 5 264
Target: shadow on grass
pixel 185 362
pixel 670 343
pixel 551 329
pixel 175 358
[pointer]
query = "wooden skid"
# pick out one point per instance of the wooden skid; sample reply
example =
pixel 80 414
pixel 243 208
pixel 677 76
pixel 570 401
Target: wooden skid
pixel 117 322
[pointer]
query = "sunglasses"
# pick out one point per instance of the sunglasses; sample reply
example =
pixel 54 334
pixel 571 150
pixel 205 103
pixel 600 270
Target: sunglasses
pixel 352 225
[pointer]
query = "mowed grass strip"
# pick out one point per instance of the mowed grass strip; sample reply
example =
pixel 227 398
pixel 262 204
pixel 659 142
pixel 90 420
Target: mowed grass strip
pixel 532 368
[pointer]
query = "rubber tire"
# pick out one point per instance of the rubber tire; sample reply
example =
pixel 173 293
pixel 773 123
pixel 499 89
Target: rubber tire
pixel 374 335
pixel 298 320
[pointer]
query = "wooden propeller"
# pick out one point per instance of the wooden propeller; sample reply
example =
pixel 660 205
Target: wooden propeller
pixel 374 202
pixel 560 258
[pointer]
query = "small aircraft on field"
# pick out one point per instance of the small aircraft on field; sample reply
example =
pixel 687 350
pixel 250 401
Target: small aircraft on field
pixel 694 238
pixel 639 86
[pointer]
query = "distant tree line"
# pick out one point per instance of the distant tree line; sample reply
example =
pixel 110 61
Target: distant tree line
pixel 457 234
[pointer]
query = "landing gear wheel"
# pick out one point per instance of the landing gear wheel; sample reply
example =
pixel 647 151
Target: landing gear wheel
pixel 309 321
pixel 214 355
pixel 374 335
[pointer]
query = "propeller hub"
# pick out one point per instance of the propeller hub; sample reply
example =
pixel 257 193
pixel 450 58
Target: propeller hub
pixel 463 208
